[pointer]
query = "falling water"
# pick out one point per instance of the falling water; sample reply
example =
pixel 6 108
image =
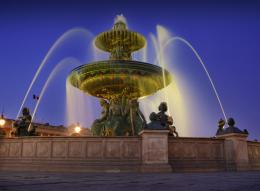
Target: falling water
pixel 62 64
pixel 158 42
pixel 141 54
pixel 171 40
pixel 172 94
pixel 79 107
pixel 144 53
pixel 65 36
pixel 204 67
pixel 176 104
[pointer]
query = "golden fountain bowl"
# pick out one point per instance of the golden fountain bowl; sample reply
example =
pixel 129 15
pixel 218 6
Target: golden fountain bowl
pixel 129 40
pixel 120 42
pixel 115 78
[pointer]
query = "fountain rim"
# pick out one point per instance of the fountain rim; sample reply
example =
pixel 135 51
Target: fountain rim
pixel 100 38
pixel 142 69
pixel 117 62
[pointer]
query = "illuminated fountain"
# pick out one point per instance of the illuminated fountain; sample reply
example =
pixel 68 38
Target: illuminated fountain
pixel 120 81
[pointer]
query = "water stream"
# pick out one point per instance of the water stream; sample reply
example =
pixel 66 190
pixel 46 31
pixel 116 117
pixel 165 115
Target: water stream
pixel 58 44
pixel 72 62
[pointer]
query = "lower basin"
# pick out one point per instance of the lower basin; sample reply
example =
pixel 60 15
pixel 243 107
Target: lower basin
pixel 114 78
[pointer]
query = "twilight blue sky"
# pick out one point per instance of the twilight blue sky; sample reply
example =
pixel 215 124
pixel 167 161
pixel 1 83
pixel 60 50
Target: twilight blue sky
pixel 225 33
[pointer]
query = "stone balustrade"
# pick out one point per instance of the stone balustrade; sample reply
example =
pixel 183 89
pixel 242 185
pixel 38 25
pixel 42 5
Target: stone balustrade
pixel 71 153
pixel 253 155
pixel 196 154
pixel 152 151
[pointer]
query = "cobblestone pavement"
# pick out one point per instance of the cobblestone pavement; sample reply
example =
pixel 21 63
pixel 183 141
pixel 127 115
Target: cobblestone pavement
pixel 30 181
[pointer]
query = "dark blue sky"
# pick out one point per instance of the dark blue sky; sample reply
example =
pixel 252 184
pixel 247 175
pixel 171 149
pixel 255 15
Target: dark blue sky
pixel 226 34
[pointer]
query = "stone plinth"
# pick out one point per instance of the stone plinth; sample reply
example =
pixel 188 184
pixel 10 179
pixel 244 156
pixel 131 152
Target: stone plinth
pixel 236 152
pixel 155 151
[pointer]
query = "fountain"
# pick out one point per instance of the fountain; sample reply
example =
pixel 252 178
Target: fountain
pixel 120 81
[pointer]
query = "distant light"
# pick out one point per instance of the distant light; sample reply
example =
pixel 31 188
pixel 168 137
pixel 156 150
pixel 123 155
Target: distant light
pixel 2 122
pixel 77 129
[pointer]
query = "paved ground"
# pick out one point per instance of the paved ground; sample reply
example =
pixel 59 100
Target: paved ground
pixel 30 181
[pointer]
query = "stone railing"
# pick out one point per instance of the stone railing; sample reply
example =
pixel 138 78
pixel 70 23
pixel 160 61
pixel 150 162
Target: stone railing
pixel 152 151
pixel 196 154
pixel 254 154
pixel 71 153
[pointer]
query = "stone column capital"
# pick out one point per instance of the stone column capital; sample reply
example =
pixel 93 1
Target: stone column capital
pixel 233 136
pixel 153 131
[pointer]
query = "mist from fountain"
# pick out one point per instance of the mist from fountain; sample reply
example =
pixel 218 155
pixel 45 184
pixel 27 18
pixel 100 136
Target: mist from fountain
pixel 80 108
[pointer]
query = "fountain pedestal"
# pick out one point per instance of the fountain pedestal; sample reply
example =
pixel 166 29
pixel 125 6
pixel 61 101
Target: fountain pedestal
pixel 155 151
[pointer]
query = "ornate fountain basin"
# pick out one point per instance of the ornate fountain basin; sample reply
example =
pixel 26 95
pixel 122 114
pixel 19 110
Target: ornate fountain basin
pixel 115 78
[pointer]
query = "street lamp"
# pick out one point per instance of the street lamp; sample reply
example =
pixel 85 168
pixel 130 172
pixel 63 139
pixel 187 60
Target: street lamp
pixel 2 120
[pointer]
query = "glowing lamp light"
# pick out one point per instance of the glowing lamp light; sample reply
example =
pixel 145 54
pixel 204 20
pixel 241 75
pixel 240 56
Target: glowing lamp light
pixel 2 120
pixel 77 129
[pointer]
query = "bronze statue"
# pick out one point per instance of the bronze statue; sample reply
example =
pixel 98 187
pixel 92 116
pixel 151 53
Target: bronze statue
pixel 105 109
pixel 23 123
pixel 120 117
pixel 155 122
pixel 98 125
pixel 162 121
pixel 162 117
pixel 136 116
pixel 233 129
pixel 230 129
pixel 221 124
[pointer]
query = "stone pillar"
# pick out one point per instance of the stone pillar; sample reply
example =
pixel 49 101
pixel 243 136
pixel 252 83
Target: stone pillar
pixel 155 151
pixel 236 153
